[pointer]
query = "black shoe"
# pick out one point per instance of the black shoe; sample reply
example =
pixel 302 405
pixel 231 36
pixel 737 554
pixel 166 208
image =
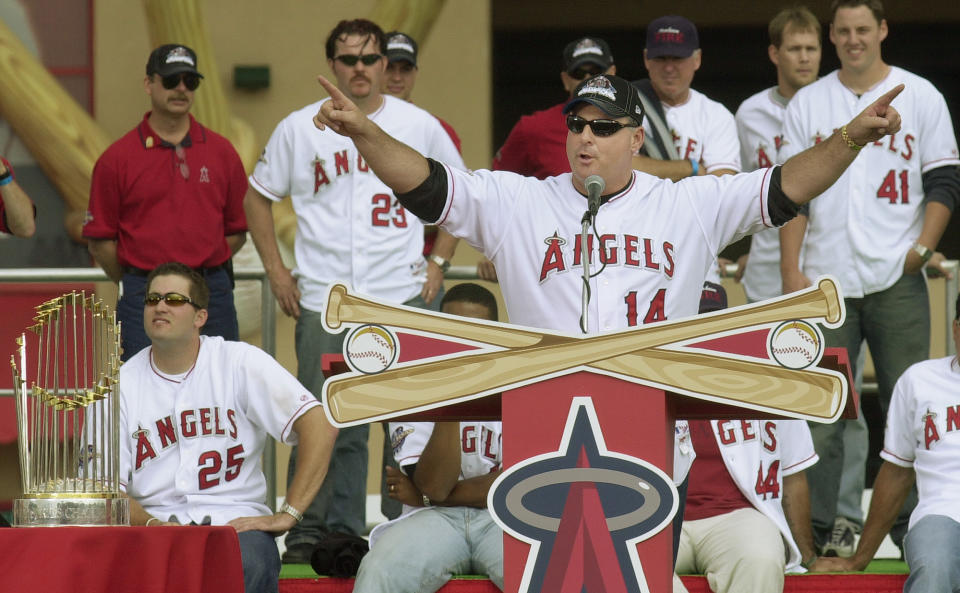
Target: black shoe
pixel 298 554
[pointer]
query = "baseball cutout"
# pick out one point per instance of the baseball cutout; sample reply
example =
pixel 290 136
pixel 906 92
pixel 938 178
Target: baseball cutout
pixel 370 349
pixel 796 344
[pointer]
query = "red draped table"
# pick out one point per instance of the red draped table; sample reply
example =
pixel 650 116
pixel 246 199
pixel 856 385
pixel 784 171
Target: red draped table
pixel 188 559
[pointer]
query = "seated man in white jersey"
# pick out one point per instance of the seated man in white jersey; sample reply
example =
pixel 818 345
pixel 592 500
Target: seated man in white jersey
pixel 747 514
pixel 196 412
pixel 445 528
pixel 922 445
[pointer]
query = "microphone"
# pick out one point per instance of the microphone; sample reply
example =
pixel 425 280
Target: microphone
pixel 595 186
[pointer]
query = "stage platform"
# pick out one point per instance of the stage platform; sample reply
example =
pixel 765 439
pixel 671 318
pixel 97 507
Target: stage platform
pixel 881 576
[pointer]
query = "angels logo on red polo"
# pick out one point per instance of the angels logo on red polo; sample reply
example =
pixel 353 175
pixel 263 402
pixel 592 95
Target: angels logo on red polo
pixel 583 509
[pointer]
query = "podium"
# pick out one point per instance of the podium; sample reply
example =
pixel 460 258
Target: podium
pixel 586 497
pixel 633 420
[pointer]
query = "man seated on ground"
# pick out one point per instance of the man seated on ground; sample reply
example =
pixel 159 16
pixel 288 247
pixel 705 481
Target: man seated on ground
pixel 445 528
pixel 196 412
pixel 747 514
pixel 922 444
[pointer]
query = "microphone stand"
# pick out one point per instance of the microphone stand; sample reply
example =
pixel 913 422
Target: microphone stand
pixel 586 221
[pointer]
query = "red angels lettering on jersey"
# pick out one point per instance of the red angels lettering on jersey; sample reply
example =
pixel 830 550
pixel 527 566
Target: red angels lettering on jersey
pixel 931 433
pixel 732 432
pixel 687 147
pixel 189 424
pixel 902 146
pixel 341 166
pixel 615 249
pixel 486 444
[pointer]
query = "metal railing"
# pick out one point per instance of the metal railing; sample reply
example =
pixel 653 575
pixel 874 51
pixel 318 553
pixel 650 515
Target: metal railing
pixel 269 322
pixel 268 329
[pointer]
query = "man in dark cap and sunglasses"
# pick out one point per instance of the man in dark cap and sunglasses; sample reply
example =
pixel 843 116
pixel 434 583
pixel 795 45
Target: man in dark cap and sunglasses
pixel 169 190
pixel 196 412
pixel 656 239
pixel 536 146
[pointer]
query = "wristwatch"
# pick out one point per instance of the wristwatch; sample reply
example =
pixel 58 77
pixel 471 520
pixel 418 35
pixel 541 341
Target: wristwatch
pixel 286 508
pixel 426 501
pixel 924 253
pixel 444 264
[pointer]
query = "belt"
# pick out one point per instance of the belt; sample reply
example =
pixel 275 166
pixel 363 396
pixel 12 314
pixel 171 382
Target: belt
pixel 202 271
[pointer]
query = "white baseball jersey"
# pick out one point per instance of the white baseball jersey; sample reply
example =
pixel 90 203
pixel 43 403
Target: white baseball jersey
pixel 704 130
pixel 923 432
pixel 657 237
pixel 759 122
pixel 480 444
pixel 350 226
pixel 758 454
pixel 862 227
pixel 191 445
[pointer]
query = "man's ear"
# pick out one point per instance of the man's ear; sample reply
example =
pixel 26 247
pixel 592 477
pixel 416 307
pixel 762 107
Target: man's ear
pixel 200 318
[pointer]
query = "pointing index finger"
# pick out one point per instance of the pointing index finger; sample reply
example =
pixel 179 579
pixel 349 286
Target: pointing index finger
pixel 332 89
pixel 889 96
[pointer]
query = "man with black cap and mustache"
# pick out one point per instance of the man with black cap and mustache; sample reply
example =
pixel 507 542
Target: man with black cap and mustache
pixel 169 190
pixel 350 228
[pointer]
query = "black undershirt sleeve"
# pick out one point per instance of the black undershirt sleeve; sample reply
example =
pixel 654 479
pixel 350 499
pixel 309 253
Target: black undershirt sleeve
pixel 427 200
pixel 942 185
pixel 781 208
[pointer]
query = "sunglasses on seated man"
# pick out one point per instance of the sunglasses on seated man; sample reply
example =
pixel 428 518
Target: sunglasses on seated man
pixel 351 60
pixel 174 299
pixel 600 127
pixel 190 80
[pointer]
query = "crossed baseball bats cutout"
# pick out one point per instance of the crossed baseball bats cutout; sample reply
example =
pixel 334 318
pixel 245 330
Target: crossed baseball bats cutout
pixel 640 355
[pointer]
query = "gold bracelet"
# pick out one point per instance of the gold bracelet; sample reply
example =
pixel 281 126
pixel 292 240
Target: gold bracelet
pixel 151 519
pixel 846 138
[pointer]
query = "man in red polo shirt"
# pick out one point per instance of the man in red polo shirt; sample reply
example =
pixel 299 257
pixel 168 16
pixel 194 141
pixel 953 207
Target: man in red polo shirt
pixel 169 190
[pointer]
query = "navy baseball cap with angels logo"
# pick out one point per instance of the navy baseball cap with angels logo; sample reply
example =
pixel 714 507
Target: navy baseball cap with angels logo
pixel 671 36
pixel 172 58
pixel 586 50
pixel 401 48
pixel 613 95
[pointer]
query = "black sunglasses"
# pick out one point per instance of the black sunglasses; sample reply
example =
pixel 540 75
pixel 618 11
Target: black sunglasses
pixel 600 127
pixel 351 60
pixel 174 299
pixel 190 80
pixel 584 72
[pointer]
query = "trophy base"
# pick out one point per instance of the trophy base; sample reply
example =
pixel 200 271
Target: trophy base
pixel 65 511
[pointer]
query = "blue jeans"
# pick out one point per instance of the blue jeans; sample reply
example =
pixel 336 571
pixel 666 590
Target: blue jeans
pixel 423 551
pixel 261 562
pixel 221 321
pixel 896 325
pixel 341 503
pixel 933 553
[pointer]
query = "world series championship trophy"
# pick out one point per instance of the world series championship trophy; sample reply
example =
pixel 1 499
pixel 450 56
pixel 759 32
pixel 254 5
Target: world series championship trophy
pixel 67 416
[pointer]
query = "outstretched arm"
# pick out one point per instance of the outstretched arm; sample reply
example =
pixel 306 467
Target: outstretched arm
pixel 396 164
pixel 808 174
